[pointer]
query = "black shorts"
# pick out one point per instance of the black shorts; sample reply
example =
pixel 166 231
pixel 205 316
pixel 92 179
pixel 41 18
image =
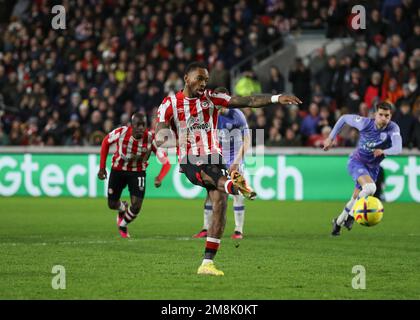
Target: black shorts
pixel 118 180
pixel 213 165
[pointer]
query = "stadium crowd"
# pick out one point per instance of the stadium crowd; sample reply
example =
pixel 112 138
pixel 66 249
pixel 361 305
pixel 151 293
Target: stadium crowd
pixel 70 87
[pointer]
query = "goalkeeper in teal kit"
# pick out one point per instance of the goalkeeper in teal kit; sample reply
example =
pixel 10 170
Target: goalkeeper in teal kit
pixel 379 137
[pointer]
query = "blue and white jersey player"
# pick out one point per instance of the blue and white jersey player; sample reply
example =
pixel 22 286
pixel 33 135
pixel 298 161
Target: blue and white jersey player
pixel 234 140
pixel 379 137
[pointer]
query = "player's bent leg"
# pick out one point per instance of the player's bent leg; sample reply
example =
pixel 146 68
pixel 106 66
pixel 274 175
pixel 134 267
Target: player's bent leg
pixel 214 176
pixel 120 206
pixel 348 223
pixel 137 189
pixel 368 188
pixel 218 222
pixel 239 212
pixel 345 219
pixel 208 211
pixel 215 232
pixel 348 207
pixel 133 210
pixel 130 215
pixel 116 204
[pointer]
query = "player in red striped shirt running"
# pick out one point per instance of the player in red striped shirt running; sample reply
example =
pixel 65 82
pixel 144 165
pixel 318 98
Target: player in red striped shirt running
pixel 193 113
pixel 134 145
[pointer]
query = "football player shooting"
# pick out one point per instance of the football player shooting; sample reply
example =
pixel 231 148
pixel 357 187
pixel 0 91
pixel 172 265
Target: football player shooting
pixel 233 134
pixel 193 114
pixel 134 146
pixel 379 137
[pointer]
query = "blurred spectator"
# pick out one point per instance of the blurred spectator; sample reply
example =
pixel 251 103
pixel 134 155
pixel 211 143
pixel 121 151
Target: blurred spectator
pixel 393 92
pixel 219 76
pixel 377 26
pixel 325 119
pixel 413 41
pixel 406 121
pixel 353 91
pixel 300 78
pixel 275 84
pixel 310 122
pixel 262 127
pixel 336 19
pixel 290 139
pixel 247 84
pixel 373 91
pixel 95 124
pixel 317 140
pixel 399 25
pixel 115 58
pixel 327 77
pixel 416 133
pixel 294 119
pixel 274 138
pixel 4 139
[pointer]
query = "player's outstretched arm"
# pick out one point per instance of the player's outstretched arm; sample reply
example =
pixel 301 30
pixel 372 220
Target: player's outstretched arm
pixel 102 174
pixel 109 139
pixel 352 120
pixel 164 160
pixel 262 100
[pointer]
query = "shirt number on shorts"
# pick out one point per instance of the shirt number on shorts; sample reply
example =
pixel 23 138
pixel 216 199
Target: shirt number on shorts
pixel 141 182
pixel 225 172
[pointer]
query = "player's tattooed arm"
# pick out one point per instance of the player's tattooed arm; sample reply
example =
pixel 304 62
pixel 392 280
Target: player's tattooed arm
pixel 250 101
pixel 262 100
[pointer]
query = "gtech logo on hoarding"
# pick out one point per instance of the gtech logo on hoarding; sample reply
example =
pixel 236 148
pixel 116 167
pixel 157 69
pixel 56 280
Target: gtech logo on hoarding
pixel 279 178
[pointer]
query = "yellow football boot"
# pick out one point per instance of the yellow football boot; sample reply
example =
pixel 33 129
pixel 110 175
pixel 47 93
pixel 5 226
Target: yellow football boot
pixel 210 269
pixel 240 182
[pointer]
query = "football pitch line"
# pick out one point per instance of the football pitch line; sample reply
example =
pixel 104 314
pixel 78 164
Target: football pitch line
pixel 76 243
pixel 95 242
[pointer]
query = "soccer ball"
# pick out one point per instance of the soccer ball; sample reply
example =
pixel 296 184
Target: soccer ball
pixel 368 211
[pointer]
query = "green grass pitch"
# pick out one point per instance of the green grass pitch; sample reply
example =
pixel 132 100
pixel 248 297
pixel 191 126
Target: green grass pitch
pixel 287 252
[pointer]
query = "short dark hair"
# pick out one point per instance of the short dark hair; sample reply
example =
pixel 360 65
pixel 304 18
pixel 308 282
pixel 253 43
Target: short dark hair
pixel 385 106
pixel 195 65
pixel 140 115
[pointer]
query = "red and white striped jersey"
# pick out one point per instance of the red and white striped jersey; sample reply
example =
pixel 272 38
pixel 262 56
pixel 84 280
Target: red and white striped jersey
pixel 131 154
pixel 195 120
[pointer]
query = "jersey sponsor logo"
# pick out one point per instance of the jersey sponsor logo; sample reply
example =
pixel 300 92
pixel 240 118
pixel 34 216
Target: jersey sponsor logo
pixel 205 105
pixel 369 146
pixel 131 157
pixel 194 124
